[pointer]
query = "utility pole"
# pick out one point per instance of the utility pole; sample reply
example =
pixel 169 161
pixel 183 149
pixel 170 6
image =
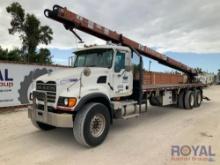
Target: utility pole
pixel 149 65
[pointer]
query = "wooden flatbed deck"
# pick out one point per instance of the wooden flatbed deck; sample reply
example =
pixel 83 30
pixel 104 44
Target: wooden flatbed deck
pixel 156 87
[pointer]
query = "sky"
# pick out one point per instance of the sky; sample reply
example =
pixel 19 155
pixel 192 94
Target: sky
pixel 187 30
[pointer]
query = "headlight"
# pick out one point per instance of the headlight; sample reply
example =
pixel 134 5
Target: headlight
pixel 67 101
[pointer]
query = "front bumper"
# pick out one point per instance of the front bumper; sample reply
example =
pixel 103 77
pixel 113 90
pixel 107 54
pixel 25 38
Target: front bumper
pixel 57 120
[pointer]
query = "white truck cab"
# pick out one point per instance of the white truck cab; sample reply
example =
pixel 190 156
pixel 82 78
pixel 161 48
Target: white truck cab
pixel 65 98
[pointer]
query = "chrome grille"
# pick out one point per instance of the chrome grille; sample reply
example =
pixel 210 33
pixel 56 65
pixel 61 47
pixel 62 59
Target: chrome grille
pixel 49 108
pixel 49 88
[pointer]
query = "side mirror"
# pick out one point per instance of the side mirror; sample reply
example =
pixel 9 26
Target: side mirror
pixel 128 68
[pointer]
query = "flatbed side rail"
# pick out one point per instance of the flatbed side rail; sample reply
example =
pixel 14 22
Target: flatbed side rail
pixel 160 87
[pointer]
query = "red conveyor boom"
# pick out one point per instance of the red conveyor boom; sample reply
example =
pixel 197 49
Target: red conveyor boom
pixel 72 20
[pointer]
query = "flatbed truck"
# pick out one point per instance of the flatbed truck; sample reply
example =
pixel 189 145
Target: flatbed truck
pixel 101 86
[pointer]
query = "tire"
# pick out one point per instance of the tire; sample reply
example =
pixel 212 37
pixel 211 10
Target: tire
pixel 83 122
pixel 153 101
pixel 189 100
pixel 42 126
pixel 198 98
pixel 181 99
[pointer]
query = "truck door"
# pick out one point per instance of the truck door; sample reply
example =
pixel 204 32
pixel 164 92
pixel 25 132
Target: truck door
pixel 122 76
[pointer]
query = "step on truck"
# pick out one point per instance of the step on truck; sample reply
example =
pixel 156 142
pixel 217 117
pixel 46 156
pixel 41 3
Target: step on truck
pixel 104 83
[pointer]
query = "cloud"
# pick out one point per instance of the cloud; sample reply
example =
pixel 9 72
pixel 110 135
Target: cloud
pixel 168 25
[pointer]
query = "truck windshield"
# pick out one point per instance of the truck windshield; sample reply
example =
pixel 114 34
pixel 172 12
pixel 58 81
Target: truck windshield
pixel 94 58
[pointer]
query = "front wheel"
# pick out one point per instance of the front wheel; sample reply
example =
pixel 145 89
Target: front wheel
pixel 91 124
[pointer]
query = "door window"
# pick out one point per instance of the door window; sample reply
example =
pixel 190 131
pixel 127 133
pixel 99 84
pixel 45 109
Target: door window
pixel 136 62
pixel 119 61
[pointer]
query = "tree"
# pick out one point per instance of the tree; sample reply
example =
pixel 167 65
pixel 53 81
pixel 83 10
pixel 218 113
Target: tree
pixel 30 32
pixel 3 54
pixel 199 70
pixel 13 55
pixel 44 56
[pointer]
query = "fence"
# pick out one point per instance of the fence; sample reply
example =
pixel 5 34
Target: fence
pixel 15 81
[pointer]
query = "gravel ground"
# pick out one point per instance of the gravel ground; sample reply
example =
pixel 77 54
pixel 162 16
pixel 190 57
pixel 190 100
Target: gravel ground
pixel 142 141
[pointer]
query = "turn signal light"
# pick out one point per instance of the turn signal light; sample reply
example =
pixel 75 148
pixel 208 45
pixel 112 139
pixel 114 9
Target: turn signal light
pixel 67 102
pixel 72 102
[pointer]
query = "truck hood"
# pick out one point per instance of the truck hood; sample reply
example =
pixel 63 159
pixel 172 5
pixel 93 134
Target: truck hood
pixel 69 75
pixel 61 74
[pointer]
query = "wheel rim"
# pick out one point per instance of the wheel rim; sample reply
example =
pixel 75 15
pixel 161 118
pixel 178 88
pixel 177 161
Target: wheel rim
pixel 192 100
pixel 97 125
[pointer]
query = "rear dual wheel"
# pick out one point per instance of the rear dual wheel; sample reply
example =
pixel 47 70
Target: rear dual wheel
pixel 189 99
pixel 181 99
pixel 198 96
